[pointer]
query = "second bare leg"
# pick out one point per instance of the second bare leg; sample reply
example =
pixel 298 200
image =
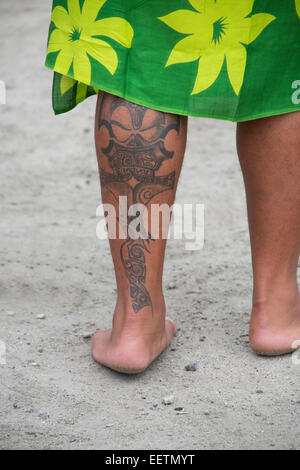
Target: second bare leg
pixel 269 152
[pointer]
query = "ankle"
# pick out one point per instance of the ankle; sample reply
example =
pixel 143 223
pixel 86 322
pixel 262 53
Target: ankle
pixel 285 298
pixel 276 311
pixel 146 324
pixel 128 307
pixel 267 289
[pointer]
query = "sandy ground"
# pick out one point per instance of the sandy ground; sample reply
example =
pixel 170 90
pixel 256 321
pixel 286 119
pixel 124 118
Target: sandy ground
pixel 53 396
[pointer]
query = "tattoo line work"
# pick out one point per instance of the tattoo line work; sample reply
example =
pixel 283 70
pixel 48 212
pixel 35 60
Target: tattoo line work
pixel 135 152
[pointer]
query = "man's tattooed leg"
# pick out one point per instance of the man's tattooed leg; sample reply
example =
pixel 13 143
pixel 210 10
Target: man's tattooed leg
pixel 140 153
pixel 136 151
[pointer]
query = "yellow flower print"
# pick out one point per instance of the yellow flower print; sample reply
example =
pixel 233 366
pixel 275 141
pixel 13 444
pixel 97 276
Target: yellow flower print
pixel 66 83
pixel 75 38
pixel 297 2
pixel 218 29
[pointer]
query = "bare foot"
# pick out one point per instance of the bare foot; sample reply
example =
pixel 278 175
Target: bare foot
pixel 129 353
pixel 275 327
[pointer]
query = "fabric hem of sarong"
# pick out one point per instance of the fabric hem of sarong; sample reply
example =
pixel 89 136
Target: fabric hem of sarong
pixel 170 110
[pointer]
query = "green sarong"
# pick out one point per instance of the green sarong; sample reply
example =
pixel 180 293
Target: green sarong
pixel 226 59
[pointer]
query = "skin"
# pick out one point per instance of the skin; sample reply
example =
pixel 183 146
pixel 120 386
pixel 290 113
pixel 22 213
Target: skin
pixel 140 153
pixel 269 151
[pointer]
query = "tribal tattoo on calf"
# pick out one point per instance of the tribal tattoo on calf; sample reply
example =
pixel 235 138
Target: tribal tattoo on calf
pixel 135 153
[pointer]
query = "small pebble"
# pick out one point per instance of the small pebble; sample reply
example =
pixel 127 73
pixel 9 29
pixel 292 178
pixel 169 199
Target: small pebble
pixel 191 367
pixel 171 286
pixel 10 313
pixel 41 316
pixel 44 416
pixel 87 335
pixel 168 400
pixel 15 406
